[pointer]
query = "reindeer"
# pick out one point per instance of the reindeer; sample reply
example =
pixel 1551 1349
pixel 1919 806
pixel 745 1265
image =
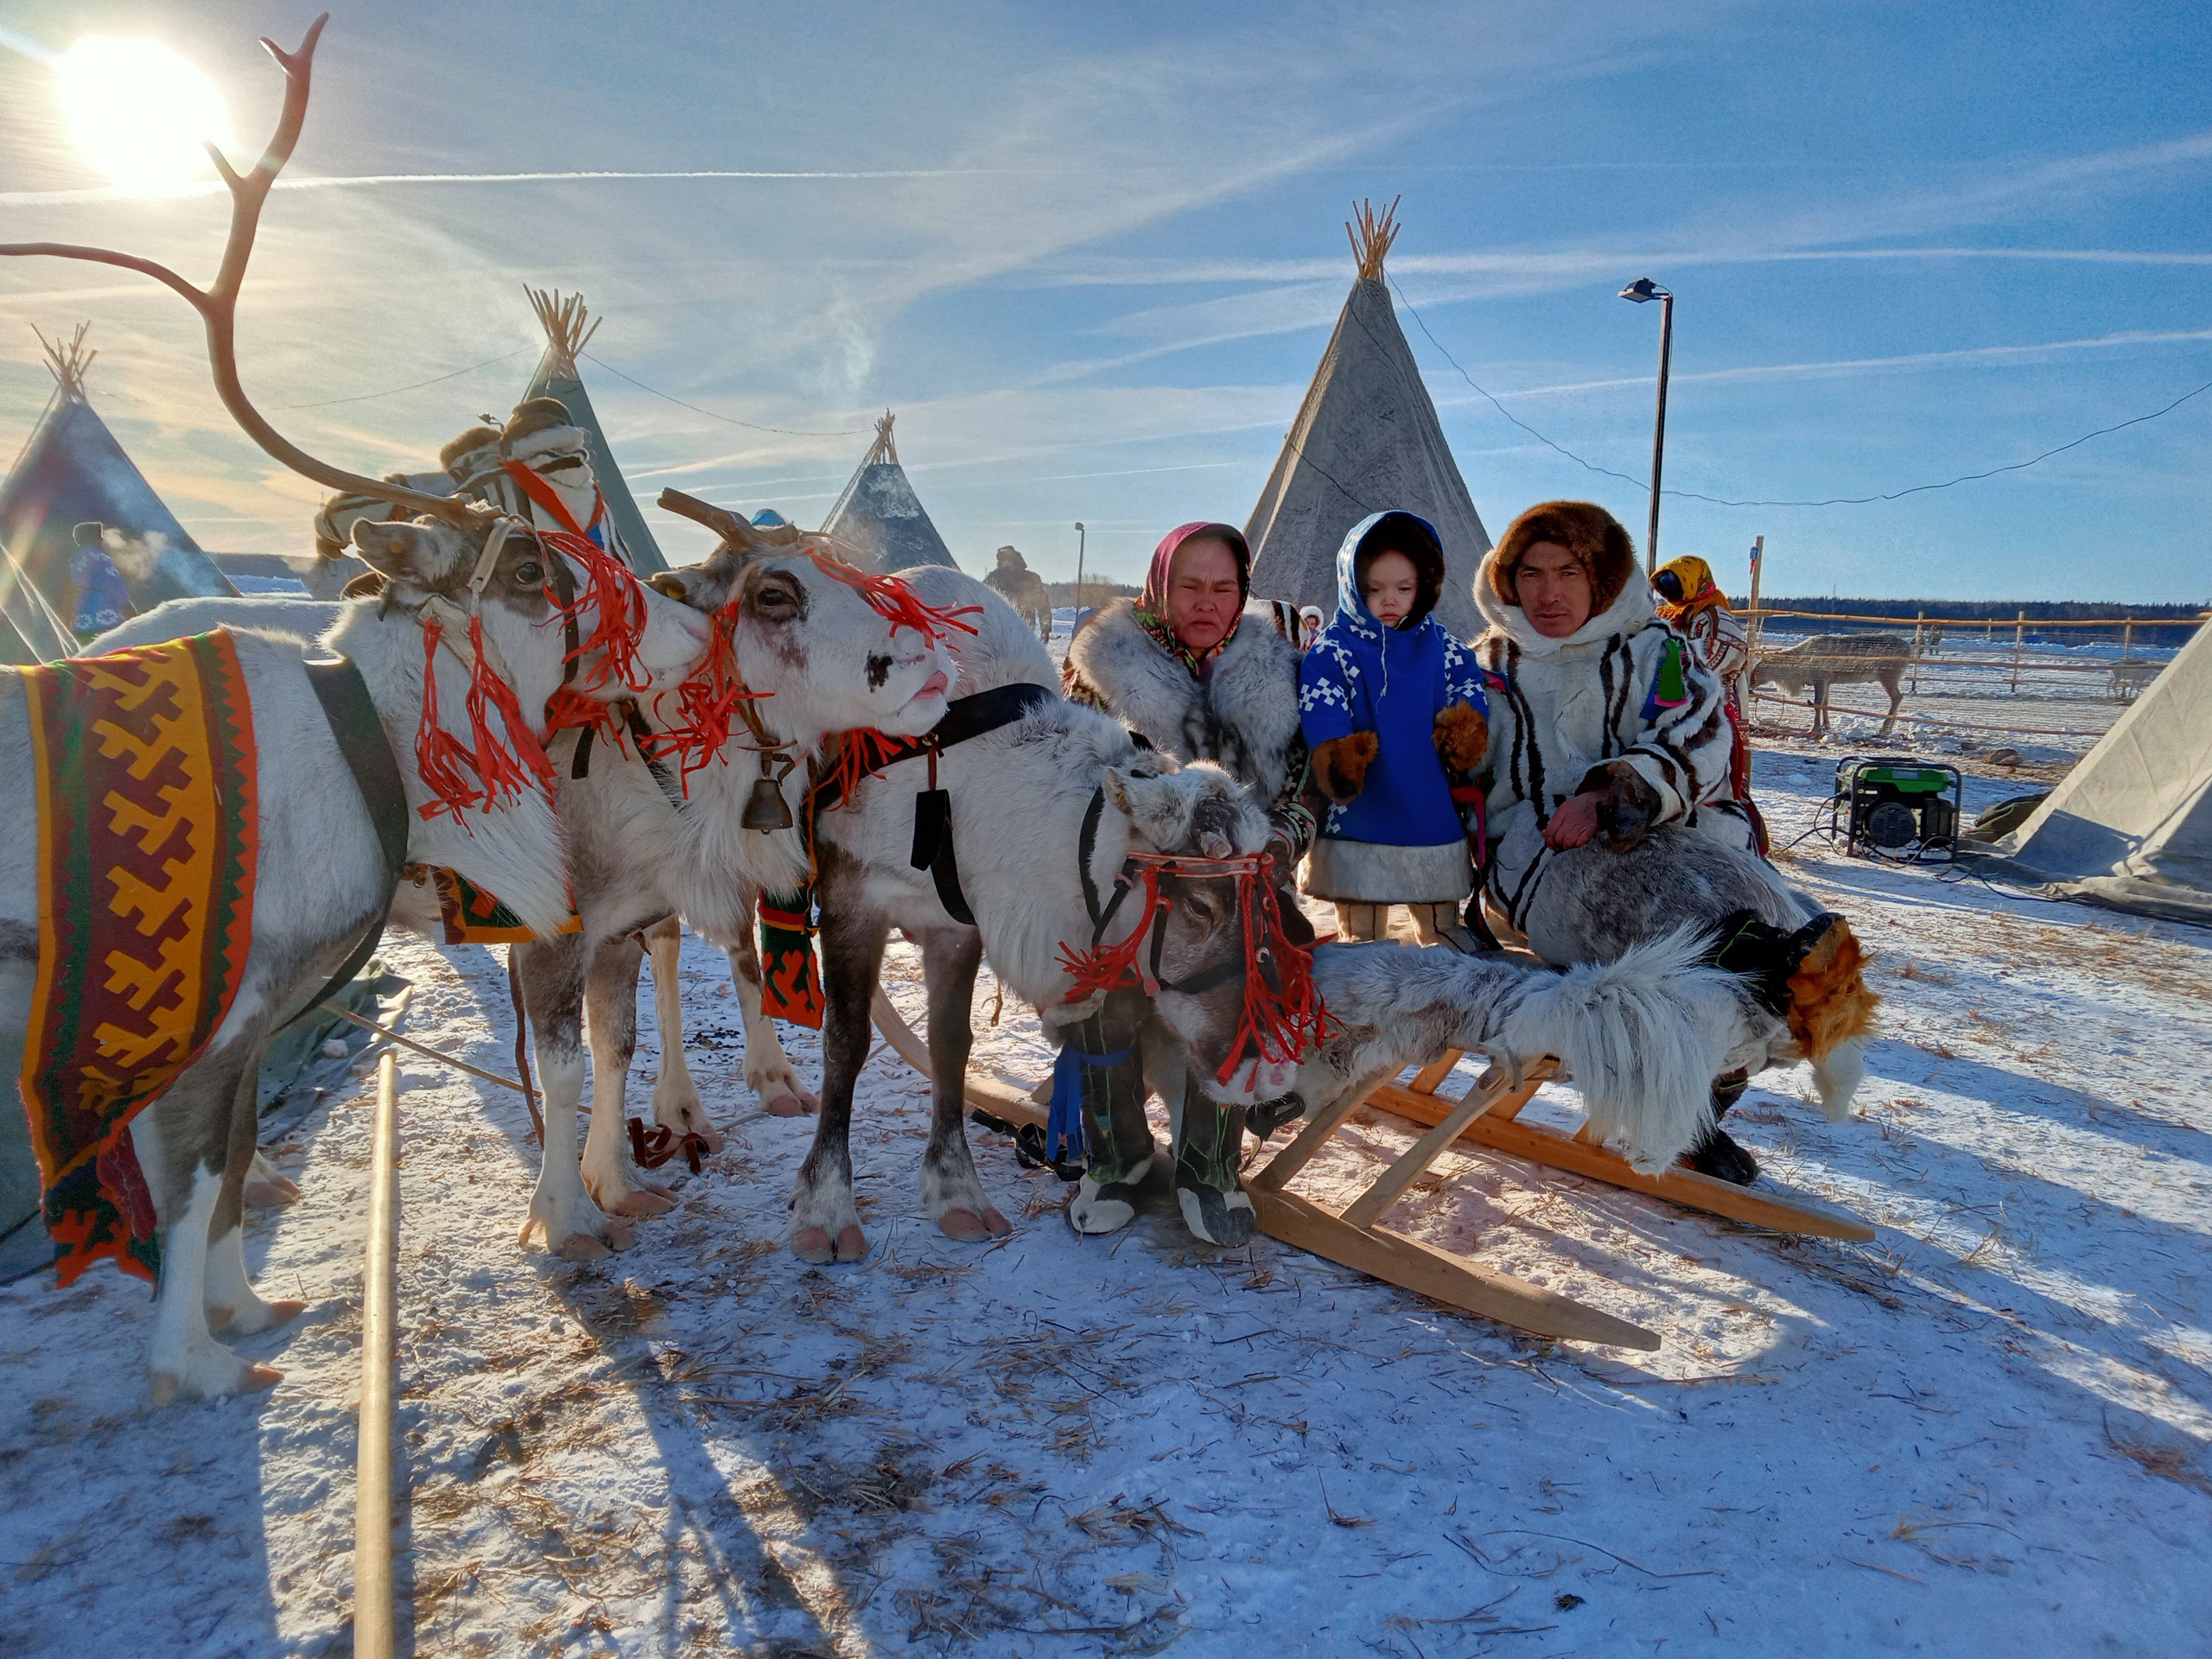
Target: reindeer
pixel 1828 659
pixel 322 869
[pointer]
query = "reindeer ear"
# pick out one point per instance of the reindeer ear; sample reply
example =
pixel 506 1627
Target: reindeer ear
pixel 422 555
pixel 1117 791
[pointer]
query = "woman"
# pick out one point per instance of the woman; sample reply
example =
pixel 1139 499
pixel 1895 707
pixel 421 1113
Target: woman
pixel 1602 718
pixel 1692 604
pixel 1197 668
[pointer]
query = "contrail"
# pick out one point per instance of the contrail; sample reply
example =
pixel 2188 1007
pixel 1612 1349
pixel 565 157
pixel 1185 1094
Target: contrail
pixel 368 180
pixel 35 51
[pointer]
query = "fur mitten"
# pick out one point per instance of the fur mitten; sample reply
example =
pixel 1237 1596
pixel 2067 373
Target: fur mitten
pixel 1462 736
pixel 1340 764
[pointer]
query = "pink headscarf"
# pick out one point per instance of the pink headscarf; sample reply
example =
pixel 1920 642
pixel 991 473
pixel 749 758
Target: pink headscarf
pixel 1153 598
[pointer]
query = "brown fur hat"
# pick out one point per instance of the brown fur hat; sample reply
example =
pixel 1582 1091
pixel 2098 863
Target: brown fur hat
pixel 1584 529
pixel 533 415
pixel 477 437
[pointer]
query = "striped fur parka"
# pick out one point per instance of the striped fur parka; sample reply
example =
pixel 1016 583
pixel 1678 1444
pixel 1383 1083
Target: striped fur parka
pixel 1623 686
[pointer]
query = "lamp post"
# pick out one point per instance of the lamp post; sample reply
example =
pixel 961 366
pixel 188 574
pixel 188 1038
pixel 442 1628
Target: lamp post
pixel 1080 539
pixel 1640 290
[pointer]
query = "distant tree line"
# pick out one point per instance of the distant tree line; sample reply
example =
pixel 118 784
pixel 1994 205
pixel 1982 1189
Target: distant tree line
pixel 1958 614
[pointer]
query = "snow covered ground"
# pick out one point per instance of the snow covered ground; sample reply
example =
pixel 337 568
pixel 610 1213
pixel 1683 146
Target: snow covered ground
pixel 1984 1433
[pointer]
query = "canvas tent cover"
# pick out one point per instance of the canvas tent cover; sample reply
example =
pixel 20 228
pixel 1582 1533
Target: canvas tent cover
pixel 1366 440
pixel 557 379
pixel 2131 826
pixel 879 523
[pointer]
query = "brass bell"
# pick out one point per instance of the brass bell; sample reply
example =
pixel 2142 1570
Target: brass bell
pixel 765 808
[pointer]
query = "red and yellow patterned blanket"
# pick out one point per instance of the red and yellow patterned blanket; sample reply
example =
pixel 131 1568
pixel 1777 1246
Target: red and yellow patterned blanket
pixel 148 833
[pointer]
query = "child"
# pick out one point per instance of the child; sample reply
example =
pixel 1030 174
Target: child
pixel 1389 702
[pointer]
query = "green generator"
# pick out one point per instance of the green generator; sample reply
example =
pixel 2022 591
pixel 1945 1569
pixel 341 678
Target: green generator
pixel 1896 807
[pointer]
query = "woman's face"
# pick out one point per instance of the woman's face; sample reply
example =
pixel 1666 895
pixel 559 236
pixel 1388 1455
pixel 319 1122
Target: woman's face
pixel 1202 601
pixel 1555 589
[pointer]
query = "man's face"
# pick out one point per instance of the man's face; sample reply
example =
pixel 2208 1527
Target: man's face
pixel 1555 589
pixel 1202 602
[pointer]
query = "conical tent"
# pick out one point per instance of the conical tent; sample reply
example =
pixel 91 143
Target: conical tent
pixel 878 523
pixel 565 320
pixel 2131 826
pixel 1366 441
pixel 74 472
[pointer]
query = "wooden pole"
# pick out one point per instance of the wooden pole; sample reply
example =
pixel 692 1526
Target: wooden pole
pixel 1659 429
pixel 2127 640
pixel 374 1608
pixel 1919 632
pixel 1758 561
pixel 2020 636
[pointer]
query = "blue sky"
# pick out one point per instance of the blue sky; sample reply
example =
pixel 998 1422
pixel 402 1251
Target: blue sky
pixel 1103 248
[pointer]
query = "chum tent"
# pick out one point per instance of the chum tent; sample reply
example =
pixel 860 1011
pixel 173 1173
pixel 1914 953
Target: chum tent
pixel 879 523
pixel 72 472
pixel 1366 441
pixel 564 319
pixel 2131 826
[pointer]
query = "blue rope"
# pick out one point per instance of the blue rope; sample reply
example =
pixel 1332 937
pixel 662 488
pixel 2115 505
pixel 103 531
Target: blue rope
pixel 1064 1125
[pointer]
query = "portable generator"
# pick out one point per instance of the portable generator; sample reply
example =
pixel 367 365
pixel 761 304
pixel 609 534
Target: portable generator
pixel 1896 807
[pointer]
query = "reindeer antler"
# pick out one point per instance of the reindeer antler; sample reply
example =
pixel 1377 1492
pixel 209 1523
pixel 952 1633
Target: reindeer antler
pixel 217 302
pixel 732 528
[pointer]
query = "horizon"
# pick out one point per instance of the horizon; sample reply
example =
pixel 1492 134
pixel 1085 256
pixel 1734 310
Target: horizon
pixel 1095 281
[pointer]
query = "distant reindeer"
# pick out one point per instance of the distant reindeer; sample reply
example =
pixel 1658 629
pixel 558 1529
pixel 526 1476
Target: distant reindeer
pixel 1829 659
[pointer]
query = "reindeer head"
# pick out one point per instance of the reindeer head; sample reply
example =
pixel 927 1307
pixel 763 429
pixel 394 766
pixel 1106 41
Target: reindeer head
pixel 1205 959
pixel 658 641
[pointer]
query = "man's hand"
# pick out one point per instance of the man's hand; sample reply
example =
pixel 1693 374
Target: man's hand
pixel 1575 822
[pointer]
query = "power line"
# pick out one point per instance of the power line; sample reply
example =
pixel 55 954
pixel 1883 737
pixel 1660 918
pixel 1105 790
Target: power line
pixel 363 397
pixel 728 420
pixel 1831 501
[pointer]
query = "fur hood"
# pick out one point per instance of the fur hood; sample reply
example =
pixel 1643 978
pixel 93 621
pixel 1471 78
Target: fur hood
pixel 1632 609
pixel 1405 532
pixel 1243 714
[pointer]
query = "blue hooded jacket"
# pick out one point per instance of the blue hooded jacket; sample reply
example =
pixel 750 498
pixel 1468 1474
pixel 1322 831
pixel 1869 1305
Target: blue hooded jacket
pixel 1361 675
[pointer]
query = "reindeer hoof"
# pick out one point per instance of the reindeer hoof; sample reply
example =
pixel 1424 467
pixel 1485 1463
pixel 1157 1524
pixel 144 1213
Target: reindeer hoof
pixel 258 1377
pixel 647 1200
pixel 792 1106
pixel 283 1313
pixel 160 1386
pixel 971 1229
pixel 271 1188
pixel 812 1244
pixel 852 1244
pixel 710 1138
pixel 219 1319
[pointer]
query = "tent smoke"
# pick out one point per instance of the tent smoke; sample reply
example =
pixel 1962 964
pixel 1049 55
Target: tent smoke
pixel 2131 826
pixel 568 326
pixel 72 472
pixel 879 523
pixel 1366 440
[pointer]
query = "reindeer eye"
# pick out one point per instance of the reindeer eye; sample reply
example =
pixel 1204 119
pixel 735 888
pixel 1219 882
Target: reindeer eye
pixel 774 597
pixel 529 573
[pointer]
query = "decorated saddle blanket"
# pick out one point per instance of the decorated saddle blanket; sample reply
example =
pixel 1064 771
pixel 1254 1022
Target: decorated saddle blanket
pixel 148 836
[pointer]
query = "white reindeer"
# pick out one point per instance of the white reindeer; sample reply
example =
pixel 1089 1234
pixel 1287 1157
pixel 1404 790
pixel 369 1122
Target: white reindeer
pixel 320 870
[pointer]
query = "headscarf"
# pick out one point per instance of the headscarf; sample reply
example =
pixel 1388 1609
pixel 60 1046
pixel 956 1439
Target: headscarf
pixel 1152 599
pixel 1700 593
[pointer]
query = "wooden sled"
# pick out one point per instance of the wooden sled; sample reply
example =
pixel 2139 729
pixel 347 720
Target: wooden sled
pixel 1351 1238
pixel 1498 1128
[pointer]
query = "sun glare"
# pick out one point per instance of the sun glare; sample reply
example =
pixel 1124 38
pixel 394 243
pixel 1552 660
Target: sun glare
pixel 140 113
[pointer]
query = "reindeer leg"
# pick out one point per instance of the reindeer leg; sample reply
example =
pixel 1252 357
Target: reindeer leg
pixel 826 1222
pixel 768 1070
pixel 233 1303
pixel 553 991
pixel 676 1105
pixel 1891 683
pixel 952 1191
pixel 611 1026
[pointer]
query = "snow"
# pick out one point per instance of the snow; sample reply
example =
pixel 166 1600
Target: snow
pixel 1982 1433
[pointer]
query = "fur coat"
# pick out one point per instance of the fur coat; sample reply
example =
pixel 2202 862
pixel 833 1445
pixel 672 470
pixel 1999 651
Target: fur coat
pixel 1240 712
pixel 1623 688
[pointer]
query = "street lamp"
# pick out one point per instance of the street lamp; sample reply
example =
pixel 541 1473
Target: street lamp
pixel 1640 290
pixel 1079 541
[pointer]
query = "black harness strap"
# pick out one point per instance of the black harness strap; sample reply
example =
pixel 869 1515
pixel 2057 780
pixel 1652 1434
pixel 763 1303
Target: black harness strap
pixel 642 735
pixel 352 720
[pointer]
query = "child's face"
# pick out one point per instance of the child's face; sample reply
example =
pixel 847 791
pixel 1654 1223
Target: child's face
pixel 1391 587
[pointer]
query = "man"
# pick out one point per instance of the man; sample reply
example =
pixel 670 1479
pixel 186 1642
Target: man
pixel 1023 588
pixel 1196 667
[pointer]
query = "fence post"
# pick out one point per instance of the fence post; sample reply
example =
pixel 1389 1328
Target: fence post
pixel 1919 628
pixel 2020 635
pixel 1752 618
pixel 2127 640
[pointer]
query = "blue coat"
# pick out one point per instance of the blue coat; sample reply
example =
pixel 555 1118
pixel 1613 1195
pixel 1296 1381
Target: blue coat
pixel 1362 677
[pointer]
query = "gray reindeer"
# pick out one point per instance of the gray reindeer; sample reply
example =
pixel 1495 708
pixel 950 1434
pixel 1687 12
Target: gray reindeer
pixel 1831 660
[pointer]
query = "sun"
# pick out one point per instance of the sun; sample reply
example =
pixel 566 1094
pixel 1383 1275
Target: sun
pixel 140 113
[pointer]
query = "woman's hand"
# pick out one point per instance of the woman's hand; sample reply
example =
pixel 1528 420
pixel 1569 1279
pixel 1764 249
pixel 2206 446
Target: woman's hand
pixel 1575 822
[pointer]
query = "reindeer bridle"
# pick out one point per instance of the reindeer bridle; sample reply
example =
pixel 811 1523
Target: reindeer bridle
pixel 1282 1014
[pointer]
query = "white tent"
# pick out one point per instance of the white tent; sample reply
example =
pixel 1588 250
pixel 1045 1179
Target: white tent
pixel 879 523
pixel 2131 826
pixel 1366 441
